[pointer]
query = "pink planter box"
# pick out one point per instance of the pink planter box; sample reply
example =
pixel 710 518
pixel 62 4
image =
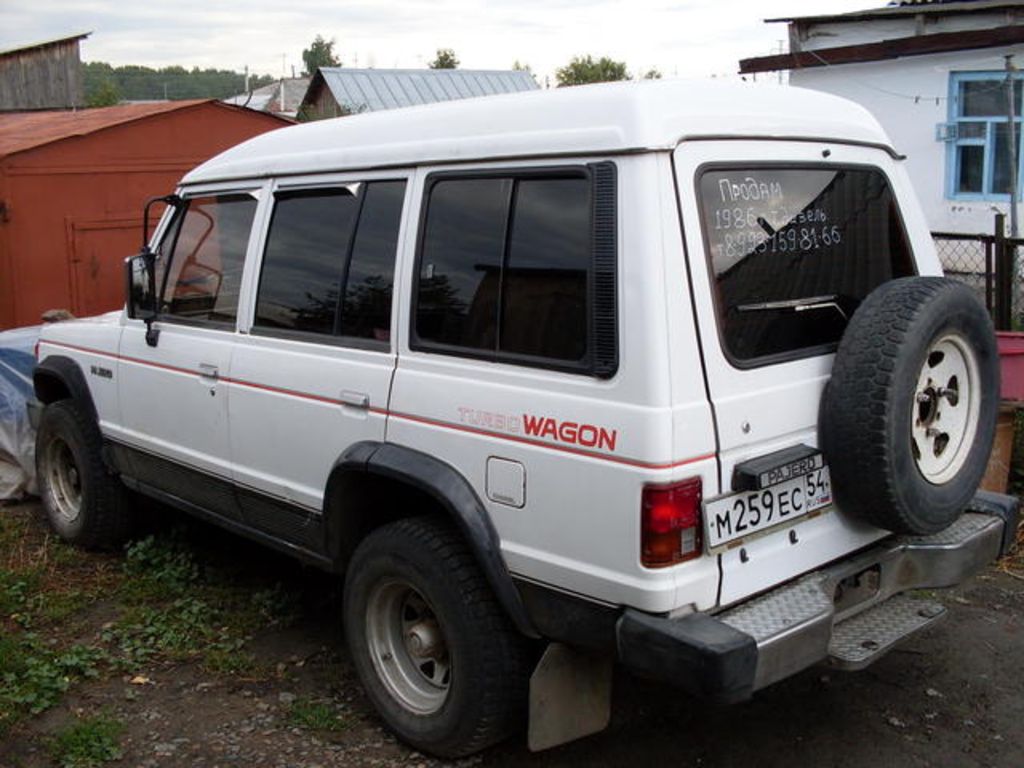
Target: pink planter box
pixel 1011 363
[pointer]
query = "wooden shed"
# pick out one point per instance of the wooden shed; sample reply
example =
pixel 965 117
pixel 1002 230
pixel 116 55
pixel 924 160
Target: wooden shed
pixel 45 75
pixel 72 188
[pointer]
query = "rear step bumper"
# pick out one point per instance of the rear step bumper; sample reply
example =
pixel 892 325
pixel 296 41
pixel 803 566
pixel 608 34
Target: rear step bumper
pixel 849 613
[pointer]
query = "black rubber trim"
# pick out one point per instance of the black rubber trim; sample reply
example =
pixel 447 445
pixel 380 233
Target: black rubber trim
pixel 456 495
pixel 1006 508
pixel 697 653
pixel 65 371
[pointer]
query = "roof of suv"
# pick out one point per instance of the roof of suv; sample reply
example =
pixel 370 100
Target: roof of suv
pixel 592 119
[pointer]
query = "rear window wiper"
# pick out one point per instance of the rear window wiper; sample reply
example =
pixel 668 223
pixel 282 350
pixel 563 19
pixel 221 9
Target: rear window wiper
pixel 805 304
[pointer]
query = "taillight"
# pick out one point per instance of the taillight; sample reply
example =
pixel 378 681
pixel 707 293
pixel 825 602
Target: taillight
pixel 670 527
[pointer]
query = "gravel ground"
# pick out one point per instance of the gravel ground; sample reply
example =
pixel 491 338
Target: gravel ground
pixel 949 697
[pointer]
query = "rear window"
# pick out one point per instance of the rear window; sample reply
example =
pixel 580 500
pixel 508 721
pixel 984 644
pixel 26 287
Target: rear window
pixel 794 251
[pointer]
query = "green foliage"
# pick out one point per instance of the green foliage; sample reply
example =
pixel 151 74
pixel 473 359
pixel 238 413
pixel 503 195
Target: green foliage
pixel 33 677
pixel 318 716
pixel 161 565
pixel 446 59
pixel 652 74
pixel 106 95
pixel 184 629
pixel 518 66
pixel 136 83
pixel 585 69
pixel 90 742
pixel 319 54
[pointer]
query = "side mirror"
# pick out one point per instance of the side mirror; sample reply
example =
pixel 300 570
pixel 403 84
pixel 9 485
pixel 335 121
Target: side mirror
pixel 141 296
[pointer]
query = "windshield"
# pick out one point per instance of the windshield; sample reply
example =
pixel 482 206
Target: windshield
pixel 794 250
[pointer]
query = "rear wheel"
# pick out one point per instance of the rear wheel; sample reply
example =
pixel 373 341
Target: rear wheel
pixel 84 503
pixel 436 653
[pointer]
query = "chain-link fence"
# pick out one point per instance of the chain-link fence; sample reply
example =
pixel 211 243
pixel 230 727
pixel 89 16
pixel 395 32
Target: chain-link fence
pixel 993 265
pixel 971 260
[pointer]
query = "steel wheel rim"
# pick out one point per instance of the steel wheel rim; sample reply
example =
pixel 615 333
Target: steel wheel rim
pixel 63 480
pixel 408 647
pixel 946 408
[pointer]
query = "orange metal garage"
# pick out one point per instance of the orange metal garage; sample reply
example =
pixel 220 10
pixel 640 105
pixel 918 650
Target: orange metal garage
pixel 72 187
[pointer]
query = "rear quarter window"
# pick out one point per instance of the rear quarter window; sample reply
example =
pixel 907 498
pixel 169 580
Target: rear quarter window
pixel 793 252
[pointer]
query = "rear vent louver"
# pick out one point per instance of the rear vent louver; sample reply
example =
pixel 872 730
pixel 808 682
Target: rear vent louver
pixel 605 317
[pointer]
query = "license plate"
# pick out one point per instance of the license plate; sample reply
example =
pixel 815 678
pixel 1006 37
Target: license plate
pixel 741 515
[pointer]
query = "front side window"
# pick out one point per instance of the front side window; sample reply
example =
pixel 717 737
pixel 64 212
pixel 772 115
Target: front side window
pixel 203 276
pixel 328 266
pixel 506 268
pixel 793 252
pixel 981 159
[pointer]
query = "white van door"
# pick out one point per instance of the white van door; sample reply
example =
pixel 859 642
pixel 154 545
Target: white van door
pixel 784 239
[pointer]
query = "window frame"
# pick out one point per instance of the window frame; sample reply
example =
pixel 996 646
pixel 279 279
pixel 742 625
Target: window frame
pixel 290 185
pixel 172 229
pixel 988 143
pixel 802 353
pixel 588 364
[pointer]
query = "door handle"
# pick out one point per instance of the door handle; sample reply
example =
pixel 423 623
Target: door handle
pixel 355 399
pixel 207 371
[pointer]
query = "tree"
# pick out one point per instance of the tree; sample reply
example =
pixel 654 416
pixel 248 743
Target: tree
pixel 319 54
pixel 446 59
pixel 652 74
pixel 518 66
pixel 106 95
pixel 584 69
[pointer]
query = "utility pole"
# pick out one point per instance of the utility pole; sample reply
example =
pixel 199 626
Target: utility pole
pixel 1012 138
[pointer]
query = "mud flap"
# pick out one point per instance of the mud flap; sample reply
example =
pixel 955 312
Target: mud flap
pixel 570 696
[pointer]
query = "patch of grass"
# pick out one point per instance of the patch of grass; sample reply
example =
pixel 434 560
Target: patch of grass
pixel 33 677
pixel 317 716
pixel 159 569
pixel 183 629
pixel 90 742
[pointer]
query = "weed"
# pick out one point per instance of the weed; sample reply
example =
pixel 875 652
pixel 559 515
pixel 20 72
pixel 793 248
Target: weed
pixel 33 677
pixel 90 742
pixel 222 661
pixel 318 716
pixel 160 568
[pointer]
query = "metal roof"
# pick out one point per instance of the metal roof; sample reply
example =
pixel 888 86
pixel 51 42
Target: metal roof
pixel 943 7
pixel 370 90
pixel 589 119
pixel 20 131
pixel 268 98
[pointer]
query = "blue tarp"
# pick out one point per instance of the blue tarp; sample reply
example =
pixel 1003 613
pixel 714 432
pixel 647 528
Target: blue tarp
pixel 17 438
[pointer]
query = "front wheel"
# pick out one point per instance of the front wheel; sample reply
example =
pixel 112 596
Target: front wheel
pixel 436 653
pixel 84 503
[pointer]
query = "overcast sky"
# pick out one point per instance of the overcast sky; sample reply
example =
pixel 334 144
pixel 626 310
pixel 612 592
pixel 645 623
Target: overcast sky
pixel 688 38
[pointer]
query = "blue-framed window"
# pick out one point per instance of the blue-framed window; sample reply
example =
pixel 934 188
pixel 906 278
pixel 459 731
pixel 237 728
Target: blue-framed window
pixel 979 151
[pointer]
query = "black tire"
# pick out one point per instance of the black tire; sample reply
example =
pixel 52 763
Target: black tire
pixel 901 365
pixel 484 698
pixel 84 503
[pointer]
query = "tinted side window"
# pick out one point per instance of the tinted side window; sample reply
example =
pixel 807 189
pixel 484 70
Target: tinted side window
pixel 307 243
pixel 366 310
pixel 544 285
pixel 329 261
pixel 505 268
pixel 204 275
pixel 463 244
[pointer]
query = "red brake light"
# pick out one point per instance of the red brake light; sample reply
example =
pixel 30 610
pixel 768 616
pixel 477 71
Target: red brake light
pixel 670 523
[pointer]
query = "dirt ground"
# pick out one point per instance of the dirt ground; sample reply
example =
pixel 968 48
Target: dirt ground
pixel 284 694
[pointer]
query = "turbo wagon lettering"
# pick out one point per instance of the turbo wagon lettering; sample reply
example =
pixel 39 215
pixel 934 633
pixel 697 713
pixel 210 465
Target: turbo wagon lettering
pixel 680 460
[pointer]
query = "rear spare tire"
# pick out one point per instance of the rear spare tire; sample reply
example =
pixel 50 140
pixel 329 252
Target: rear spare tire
pixel 908 417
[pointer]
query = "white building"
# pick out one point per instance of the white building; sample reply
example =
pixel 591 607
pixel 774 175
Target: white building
pixel 933 73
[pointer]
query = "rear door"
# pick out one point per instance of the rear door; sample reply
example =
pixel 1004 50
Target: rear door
pixel 784 240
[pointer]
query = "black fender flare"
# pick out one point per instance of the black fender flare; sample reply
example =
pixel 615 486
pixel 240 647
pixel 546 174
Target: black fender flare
pixel 57 371
pixel 453 492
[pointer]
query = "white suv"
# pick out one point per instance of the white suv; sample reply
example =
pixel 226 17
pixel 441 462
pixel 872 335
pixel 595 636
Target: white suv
pixel 660 374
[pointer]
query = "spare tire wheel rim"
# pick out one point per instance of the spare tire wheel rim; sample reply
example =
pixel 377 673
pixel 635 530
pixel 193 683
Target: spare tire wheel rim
pixel 946 407
pixel 408 647
pixel 63 480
